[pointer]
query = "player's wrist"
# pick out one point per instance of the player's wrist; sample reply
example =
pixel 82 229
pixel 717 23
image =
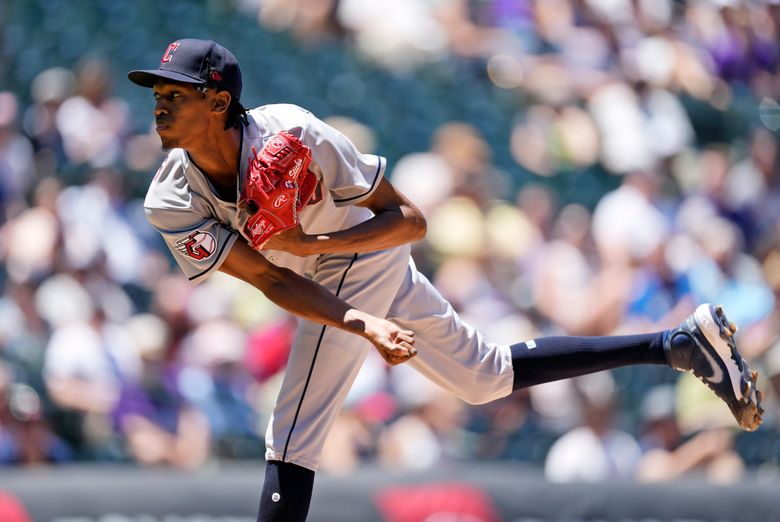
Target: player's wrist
pixel 307 245
pixel 358 322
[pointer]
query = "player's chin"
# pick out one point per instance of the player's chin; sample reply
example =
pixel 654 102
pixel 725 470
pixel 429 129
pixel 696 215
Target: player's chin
pixel 168 138
pixel 167 143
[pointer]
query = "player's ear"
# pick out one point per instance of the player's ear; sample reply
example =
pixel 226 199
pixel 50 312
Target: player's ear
pixel 220 101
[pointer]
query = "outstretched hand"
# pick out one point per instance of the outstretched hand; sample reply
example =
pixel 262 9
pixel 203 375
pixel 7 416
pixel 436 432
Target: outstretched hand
pixel 393 343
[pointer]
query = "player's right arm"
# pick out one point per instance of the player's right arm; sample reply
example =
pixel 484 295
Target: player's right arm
pixel 309 300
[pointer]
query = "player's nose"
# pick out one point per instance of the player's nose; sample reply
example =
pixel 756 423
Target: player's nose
pixel 160 107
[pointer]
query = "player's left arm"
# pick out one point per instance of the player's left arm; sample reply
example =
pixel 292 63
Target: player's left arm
pixel 396 221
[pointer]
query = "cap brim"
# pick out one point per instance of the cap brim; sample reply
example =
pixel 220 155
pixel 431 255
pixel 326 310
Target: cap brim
pixel 149 78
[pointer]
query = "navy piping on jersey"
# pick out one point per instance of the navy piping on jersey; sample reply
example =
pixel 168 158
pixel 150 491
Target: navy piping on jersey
pixel 313 360
pixel 239 176
pixel 219 256
pixel 371 188
pixel 188 228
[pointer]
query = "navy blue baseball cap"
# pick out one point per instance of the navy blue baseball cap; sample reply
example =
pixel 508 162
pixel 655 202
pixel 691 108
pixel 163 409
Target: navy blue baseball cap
pixel 199 62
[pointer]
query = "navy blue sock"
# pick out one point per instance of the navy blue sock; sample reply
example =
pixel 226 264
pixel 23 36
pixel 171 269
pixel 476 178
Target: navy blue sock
pixel 554 358
pixel 286 493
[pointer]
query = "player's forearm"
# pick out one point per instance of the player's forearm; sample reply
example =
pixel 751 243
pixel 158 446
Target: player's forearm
pixel 314 302
pixel 385 230
pixel 293 292
pixel 311 301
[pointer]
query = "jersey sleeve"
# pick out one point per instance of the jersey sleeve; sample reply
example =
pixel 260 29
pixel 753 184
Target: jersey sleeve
pixel 349 175
pixel 197 240
pixel 199 245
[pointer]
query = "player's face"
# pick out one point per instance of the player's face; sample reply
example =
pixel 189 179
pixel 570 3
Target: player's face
pixel 181 114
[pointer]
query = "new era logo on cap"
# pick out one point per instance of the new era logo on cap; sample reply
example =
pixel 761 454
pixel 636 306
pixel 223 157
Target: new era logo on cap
pixel 195 61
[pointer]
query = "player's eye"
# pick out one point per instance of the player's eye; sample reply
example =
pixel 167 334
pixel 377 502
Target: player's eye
pixel 170 96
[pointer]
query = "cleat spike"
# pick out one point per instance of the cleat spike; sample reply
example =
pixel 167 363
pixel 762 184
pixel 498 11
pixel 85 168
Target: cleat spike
pixel 714 358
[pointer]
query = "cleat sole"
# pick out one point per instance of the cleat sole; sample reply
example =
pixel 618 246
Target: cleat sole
pixel 749 412
pixel 726 328
pixel 750 415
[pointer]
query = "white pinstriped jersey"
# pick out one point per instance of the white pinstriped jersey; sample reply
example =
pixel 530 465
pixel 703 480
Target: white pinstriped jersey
pixel 200 228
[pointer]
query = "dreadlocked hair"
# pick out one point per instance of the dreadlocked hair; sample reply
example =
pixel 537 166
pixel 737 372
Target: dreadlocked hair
pixel 236 115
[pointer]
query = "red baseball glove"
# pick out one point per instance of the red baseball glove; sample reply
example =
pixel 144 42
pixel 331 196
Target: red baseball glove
pixel 277 185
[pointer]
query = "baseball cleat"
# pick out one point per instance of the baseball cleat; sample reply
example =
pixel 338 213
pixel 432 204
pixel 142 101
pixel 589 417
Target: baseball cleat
pixel 711 354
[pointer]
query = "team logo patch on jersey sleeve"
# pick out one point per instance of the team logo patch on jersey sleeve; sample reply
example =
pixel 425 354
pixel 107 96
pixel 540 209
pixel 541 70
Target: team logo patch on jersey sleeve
pixel 197 245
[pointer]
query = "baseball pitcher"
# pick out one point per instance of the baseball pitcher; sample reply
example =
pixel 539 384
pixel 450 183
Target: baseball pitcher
pixel 281 200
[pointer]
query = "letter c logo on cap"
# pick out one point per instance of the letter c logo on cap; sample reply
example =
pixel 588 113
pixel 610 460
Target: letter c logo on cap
pixel 168 52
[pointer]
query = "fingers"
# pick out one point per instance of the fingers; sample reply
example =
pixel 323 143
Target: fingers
pixel 407 346
pixel 394 344
pixel 405 336
pixel 403 349
pixel 395 360
pixel 399 354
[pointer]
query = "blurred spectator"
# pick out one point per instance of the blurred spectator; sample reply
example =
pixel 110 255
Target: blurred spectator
pixel 95 231
pixel 214 380
pixel 459 163
pixel 399 34
pixel 427 191
pixel 25 437
pixel 506 429
pixel 48 90
pixel 87 360
pixel 772 366
pixel 93 123
pixel 667 455
pixel 562 275
pixel 723 272
pixel 368 409
pixel 310 21
pixel 549 139
pixel 159 422
pixel 628 229
pixel 470 157
pixel 17 168
pixel 753 189
pixel 426 434
pixel 31 238
pixel 659 295
pixel 595 451
pixel 619 118
pixel 741 44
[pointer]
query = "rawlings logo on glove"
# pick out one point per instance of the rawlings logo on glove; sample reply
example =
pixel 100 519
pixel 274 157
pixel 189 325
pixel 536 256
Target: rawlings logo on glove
pixel 277 185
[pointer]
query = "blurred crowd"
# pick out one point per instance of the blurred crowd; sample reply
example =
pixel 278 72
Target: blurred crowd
pixel 665 110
